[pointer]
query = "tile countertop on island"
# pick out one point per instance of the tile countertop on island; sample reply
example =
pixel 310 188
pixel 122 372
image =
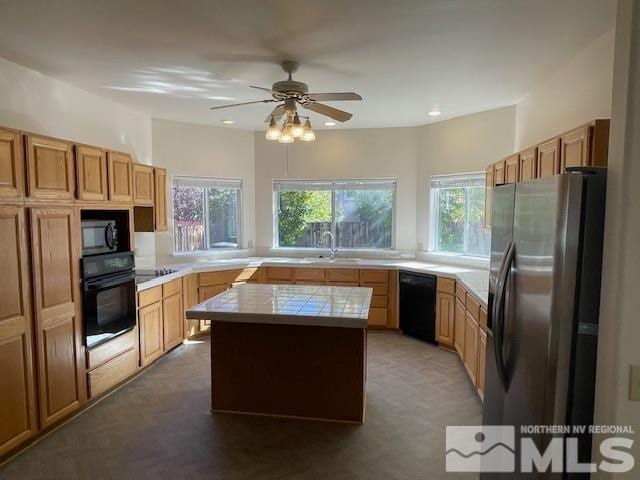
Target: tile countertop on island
pixel 305 305
pixel 475 281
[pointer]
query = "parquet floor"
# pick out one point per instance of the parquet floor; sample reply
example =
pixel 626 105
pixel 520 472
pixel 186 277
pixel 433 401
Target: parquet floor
pixel 158 426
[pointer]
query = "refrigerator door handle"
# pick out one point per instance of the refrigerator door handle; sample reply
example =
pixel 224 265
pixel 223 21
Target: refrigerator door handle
pixel 498 313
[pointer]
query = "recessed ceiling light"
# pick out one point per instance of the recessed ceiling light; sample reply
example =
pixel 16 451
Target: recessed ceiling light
pixel 330 124
pixel 434 113
pixel 228 122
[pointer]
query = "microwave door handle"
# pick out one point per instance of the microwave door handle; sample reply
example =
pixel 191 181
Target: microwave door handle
pixel 108 236
pixel 498 314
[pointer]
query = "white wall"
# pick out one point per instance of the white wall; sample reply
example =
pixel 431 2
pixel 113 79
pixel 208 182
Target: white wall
pixel 573 94
pixel 340 154
pixel 201 150
pixel 460 145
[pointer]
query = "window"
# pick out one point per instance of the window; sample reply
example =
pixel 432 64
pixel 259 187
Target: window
pixel 457 215
pixel 206 214
pixel 360 213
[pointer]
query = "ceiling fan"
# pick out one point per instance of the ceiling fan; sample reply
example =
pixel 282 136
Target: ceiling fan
pixel 290 93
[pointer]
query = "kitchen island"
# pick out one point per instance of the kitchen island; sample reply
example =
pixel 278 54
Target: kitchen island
pixel 289 350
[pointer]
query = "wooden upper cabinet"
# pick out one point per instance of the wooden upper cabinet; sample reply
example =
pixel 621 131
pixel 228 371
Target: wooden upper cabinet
pixel 575 148
pixel 18 417
pixel 143 185
pixel 512 168
pixel 160 202
pixel 499 173
pixel 50 168
pixel 488 195
pixel 549 158
pixel 91 173
pixel 120 169
pixel 58 330
pixel 528 160
pixel 11 165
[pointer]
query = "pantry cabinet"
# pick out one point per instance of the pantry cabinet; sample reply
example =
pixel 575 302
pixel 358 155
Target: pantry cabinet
pixel 18 416
pixel 120 174
pixel 143 185
pixel 50 168
pixel 160 199
pixel 91 173
pixel 58 329
pixel 11 165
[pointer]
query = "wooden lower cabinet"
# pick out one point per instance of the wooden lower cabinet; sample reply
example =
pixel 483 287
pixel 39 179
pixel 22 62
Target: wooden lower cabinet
pixel 482 356
pixel 209 291
pixel 58 329
pixel 460 323
pixel 18 416
pixel 112 372
pixel 190 299
pixel 445 319
pixel 150 323
pixel 470 356
pixel 377 317
pixel 172 315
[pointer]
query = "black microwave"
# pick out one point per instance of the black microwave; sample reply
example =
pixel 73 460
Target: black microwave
pixel 99 236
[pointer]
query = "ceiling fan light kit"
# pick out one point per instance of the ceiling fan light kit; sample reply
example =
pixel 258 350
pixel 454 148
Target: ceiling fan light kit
pixel 291 93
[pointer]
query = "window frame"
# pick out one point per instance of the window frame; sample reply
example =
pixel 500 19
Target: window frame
pixel 219 183
pixel 434 212
pixel 329 182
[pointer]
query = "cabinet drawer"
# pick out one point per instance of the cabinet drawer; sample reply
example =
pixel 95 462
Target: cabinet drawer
pixel 375 276
pixel 377 317
pixel 315 274
pixel 309 282
pixel 473 307
pixel 279 273
pixel 209 291
pixel 149 296
pixel 172 287
pixel 446 285
pixel 379 301
pixel 378 288
pixel 113 372
pixel 213 278
pixel 99 355
pixel 461 293
pixel 342 275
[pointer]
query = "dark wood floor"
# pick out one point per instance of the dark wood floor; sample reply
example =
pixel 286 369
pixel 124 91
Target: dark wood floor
pixel 158 426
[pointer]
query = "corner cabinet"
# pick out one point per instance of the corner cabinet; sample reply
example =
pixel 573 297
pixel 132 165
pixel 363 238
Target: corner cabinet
pixel 18 417
pixel 50 168
pixel 91 173
pixel 58 332
pixel 160 202
pixel 120 173
pixel 11 165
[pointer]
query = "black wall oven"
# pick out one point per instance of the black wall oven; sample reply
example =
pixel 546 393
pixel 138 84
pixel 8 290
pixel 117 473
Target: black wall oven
pixel 109 296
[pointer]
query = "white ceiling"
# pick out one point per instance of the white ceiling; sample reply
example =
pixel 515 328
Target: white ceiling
pixel 174 59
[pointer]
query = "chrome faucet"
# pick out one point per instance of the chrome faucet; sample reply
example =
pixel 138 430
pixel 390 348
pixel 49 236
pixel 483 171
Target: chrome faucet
pixel 333 250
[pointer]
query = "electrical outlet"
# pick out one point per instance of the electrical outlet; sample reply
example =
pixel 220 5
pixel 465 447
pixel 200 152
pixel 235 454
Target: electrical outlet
pixel 634 383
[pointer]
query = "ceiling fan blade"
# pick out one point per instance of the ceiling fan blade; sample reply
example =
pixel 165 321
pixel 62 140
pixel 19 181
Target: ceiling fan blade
pixel 323 109
pixel 339 96
pixel 263 89
pixel 275 113
pixel 244 103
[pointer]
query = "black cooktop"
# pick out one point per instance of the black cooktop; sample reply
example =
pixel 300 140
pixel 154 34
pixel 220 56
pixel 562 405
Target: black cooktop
pixel 145 275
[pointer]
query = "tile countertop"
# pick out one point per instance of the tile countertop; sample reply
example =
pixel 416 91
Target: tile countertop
pixel 306 305
pixel 475 281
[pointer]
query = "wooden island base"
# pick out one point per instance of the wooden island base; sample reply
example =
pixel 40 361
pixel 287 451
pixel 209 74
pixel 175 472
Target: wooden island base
pixel 297 371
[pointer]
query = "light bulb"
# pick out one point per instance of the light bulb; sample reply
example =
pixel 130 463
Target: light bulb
pixel 273 132
pixel 286 136
pixel 308 135
pixel 296 127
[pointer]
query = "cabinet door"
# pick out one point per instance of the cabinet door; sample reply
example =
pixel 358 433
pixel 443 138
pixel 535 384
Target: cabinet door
pixel 120 177
pixel 190 299
pixel 488 195
pixel 172 314
pixel 143 185
pixel 482 356
pixel 377 317
pixel 18 418
pixel 511 168
pixel 575 148
pixel 445 318
pixel 91 173
pixel 151 325
pixel 471 347
pixel 11 165
pixel 160 203
pixel 210 291
pixel 51 169
pixel 498 173
pixel 460 320
pixel 527 170
pixel 58 332
pixel 549 158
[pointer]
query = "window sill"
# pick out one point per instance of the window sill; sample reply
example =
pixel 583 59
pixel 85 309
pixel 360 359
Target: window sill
pixel 454 259
pixel 213 253
pixel 342 252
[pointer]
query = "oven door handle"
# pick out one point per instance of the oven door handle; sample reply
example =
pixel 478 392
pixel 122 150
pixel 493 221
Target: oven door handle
pixel 109 282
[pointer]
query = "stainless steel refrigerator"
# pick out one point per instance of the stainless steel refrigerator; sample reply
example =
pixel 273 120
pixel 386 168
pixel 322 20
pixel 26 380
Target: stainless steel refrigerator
pixel 544 296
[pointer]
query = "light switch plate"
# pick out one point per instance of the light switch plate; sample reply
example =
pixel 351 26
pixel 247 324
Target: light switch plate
pixel 634 383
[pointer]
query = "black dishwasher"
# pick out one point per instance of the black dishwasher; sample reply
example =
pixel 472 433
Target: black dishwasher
pixel 418 305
